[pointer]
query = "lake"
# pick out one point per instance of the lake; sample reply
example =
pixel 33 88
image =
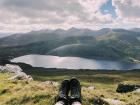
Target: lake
pixel 48 61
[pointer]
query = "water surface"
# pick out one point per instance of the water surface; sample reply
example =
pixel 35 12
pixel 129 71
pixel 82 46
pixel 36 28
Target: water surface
pixel 48 61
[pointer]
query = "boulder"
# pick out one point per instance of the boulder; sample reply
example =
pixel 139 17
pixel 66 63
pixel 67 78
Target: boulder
pixel 124 88
pixel 13 68
pixel 2 68
pixel 10 68
pixel 19 74
pixel 22 76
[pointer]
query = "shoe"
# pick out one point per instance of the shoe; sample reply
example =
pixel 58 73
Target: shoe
pixel 75 89
pixel 64 91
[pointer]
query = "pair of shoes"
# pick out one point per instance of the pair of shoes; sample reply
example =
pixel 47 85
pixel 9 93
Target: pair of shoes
pixel 74 87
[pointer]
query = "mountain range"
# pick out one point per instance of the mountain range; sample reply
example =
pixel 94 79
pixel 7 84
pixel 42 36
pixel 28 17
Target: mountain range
pixel 106 43
pixel 2 35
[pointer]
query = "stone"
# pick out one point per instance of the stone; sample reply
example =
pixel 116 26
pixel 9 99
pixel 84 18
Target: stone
pixel 13 68
pixel 114 102
pixel 99 101
pixel 22 76
pixel 124 88
pixel 91 88
pixel 53 83
pixel 19 74
pixel 137 90
pixel 2 68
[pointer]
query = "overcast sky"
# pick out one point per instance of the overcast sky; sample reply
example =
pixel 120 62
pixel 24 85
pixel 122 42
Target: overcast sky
pixel 27 15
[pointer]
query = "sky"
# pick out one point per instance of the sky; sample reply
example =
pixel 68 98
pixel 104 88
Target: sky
pixel 27 15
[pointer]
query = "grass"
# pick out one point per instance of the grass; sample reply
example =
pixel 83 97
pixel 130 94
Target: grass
pixel 36 93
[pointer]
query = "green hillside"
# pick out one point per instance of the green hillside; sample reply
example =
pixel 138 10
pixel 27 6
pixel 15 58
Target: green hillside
pixel 37 93
pixel 115 44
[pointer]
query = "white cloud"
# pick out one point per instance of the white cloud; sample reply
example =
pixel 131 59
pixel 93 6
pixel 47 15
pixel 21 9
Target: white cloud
pixel 128 12
pixel 26 15
pixel 128 9
pixel 51 14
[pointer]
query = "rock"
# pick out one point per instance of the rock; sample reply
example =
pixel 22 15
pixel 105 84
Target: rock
pixel 124 88
pixel 137 91
pixel 53 83
pixel 22 76
pixel 13 68
pixel 99 101
pixel 10 68
pixel 19 74
pixel 114 102
pixel 108 101
pixel 90 88
pixel 2 68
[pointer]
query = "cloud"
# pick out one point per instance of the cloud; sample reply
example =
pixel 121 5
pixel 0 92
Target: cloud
pixel 128 9
pixel 26 15
pixel 52 13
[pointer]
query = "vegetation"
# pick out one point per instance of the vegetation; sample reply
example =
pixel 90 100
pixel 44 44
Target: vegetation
pixel 37 93
pixel 113 44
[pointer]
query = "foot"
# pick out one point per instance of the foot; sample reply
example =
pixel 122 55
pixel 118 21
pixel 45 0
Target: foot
pixel 63 91
pixel 75 90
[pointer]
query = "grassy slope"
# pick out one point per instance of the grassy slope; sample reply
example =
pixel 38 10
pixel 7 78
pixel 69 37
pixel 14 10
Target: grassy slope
pixel 35 93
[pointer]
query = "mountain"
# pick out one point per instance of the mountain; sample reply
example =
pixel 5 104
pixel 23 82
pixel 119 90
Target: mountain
pixel 115 44
pixel 135 29
pixel 2 35
pixel 46 35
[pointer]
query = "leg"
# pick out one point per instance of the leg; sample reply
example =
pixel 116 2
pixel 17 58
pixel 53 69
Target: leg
pixel 76 103
pixel 63 93
pixel 75 88
pixel 60 103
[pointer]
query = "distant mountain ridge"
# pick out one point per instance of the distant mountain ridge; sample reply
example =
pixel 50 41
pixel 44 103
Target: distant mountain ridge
pixel 106 43
pixel 2 35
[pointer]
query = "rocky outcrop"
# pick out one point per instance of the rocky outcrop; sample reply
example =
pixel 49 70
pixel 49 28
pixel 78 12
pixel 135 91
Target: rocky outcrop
pixel 124 88
pixel 19 74
pixel 10 68
pixel 22 76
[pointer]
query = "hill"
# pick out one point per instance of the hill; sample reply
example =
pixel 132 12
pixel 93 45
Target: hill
pixel 2 35
pixel 94 83
pixel 115 44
